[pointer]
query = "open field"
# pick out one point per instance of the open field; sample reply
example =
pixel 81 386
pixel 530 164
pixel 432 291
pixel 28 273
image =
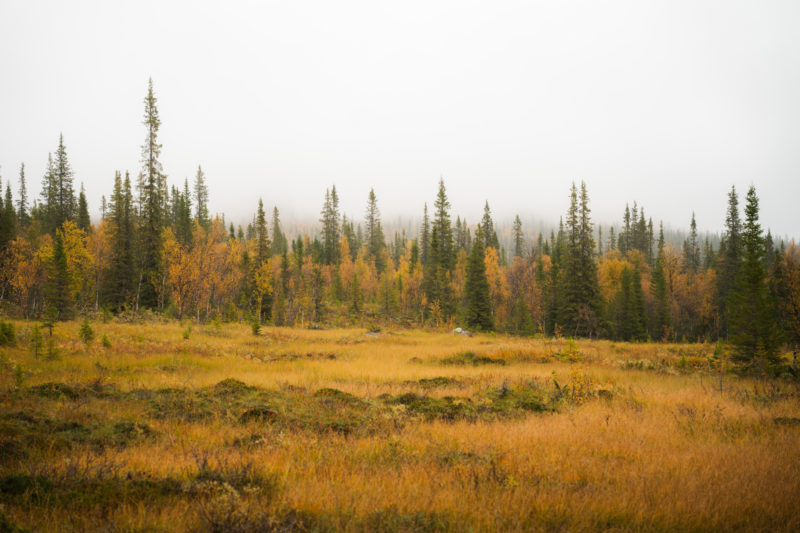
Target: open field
pixel 162 426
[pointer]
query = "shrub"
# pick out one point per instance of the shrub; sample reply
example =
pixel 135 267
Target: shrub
pixel 7 335
pixel 86 332
pixel 106 343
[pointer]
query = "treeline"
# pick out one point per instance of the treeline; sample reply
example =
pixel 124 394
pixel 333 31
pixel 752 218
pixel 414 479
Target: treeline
pixel 157 248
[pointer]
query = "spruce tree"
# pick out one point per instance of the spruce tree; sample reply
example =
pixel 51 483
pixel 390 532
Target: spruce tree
pixel 8 221
pixel 425 237
pixel 183 215
pixel 753 328
pixel 201 198
pixel 64 208
pixel 330 228
pixel 630 307
pixel 729 260
pixel 83 220
pixel 519 238
pixel 47 204
pixel 489 233
pixel 278 238
pixel 691 249
pixel 375 238
pixel 579 293
pixel 658 291
pixel 23 215
pixel 262 235
pixel 58 285
pixel 151 208
pixel 441 257
pixel 476 288
pixel 120 282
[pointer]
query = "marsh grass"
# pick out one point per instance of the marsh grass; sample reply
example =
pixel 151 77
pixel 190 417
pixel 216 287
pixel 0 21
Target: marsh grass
pixel 329 430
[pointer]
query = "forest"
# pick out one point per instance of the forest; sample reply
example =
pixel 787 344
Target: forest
pixel 162 369
pixel 156 249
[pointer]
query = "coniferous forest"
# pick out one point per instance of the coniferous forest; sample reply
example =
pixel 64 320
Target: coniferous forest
pixel 157 249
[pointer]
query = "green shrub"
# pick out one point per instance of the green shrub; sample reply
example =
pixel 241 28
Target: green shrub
pixel 7 335
pixel 106 343
pixel 86 332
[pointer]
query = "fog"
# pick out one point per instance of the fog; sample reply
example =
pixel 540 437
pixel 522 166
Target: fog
pixel 666 103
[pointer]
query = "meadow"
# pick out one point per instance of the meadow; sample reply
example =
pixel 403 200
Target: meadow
pixel 163 426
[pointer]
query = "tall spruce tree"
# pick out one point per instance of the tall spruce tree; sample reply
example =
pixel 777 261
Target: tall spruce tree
pixel 691 249
pixel 65 194
pixel 519 238
pixel 375 238
pixel 278 238
pixel 425 237
pixel 152 201
pixel 8 221
pixel 120 282
pixel 476 288
pixel 579 293
pixel 331 230
pixel 487 225
pixel 201 198
pixel 23 216
pixel 441 257
pixel 262 235
pixel 660 321
pixel 58 285
pixel 83 220
pixel 752 318
pixel 729 260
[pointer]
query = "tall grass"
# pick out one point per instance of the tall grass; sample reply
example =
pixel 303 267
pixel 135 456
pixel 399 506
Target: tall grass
pixel 428 432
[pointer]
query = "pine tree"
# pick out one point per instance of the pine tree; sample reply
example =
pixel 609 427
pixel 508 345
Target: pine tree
pixel 84 222
pixel 519 238
pixel 441 257
pixel 658 291
pixel 262 235
pixel 375 239
pixel 23 216
pixel 120 282
pixel 425 237
pixel 8 221
pixel 752 319
pixel 65 194
pixel 625 236
pixel 201 198
pixel 58 288
pixel 330 228
pixel 630 307
pixel 476 288
pixel 183 215
pixel 48 196
pixel 278 238
pixel 729 260
pixel 151 208
pixel 579 293
pixel 489 233
pixel 691 249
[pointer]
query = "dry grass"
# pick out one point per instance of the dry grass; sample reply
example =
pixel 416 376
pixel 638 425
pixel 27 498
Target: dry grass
pixel 427 432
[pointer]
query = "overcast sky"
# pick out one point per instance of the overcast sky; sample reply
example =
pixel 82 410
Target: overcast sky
pixel 667 103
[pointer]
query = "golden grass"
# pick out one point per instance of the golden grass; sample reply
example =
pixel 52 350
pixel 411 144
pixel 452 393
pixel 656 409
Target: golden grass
pixel 664 447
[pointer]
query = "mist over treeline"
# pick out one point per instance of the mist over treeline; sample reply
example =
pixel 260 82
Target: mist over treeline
pixel 157 249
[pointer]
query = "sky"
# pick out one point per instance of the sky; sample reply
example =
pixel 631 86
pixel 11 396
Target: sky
pixel 665 103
